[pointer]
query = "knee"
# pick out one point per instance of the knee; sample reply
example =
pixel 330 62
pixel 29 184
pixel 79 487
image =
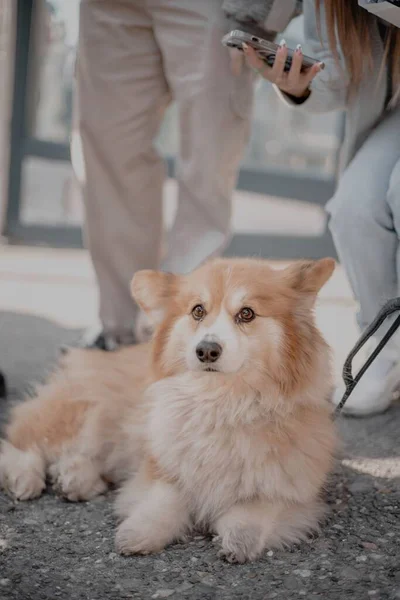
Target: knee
pixel 342 216
pixel 351 216
pixel 393 195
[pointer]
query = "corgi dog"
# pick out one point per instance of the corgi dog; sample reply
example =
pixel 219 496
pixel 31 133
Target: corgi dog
pixel 221 422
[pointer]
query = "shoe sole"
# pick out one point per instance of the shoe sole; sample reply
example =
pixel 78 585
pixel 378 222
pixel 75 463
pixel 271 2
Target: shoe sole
pixel 393 382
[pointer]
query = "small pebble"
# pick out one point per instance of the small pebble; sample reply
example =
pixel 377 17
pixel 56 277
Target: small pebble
pixel 163 593
pixel 302 573
pixel 369 545
pixel 184 587
pixel 361 558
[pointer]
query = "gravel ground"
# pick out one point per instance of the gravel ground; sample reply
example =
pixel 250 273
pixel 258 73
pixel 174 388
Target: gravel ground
pixel 52 549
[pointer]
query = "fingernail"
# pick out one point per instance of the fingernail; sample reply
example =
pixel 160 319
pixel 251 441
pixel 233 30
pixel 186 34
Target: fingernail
pixel 245 46
pixel 299 49
pixel 282 43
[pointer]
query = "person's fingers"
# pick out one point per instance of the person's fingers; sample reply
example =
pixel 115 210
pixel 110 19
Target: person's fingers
pixel 311 73
pixel 278 70
pixel 295 69
pixel 252 58
pixel 257 63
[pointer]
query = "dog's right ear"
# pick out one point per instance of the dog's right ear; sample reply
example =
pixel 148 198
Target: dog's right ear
pixel 153 290
pixel 308 277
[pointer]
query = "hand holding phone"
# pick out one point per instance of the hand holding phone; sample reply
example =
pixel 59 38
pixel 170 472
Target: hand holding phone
pixel 290 70
pixel 295 80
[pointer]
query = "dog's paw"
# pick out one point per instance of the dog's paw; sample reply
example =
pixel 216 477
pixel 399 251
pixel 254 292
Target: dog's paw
pixel 240 545
pixel 24 486
pixel 234 558
pixel 22 473
pixel 135 537
pixel 76 480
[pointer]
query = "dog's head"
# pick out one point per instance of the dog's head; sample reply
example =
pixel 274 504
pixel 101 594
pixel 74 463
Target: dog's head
pixel 234 317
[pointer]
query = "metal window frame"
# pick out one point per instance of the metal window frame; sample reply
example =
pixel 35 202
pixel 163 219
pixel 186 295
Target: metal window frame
pixel 310 187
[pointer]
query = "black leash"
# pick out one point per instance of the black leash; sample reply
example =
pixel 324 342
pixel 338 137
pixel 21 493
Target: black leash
pixel 350 382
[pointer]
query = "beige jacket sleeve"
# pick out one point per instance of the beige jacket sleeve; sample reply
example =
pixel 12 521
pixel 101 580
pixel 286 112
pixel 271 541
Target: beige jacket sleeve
pixel 329 89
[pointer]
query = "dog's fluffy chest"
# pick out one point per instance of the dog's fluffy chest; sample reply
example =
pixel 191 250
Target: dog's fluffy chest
pixel 218 456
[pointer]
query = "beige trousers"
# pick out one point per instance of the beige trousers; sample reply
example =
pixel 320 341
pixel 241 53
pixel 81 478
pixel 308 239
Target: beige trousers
pixel 133 57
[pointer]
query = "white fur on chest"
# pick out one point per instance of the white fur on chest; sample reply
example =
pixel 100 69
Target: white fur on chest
pixel 211 443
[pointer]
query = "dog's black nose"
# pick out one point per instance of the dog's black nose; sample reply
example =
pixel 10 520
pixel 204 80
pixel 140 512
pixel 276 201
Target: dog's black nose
pixel 208 352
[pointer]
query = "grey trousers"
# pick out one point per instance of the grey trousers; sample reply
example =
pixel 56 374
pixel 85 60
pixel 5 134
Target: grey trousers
pixel 133 57
pixel 365 219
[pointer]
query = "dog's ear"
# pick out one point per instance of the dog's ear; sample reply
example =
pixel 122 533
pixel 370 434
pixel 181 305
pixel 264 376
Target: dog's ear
pixel 153 291
pixel 308 277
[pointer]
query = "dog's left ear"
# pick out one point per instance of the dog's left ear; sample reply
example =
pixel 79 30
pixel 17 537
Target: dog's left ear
pixel 153 291
pixel 308 277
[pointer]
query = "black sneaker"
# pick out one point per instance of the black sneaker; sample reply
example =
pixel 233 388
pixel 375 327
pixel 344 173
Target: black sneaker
pixel 3 386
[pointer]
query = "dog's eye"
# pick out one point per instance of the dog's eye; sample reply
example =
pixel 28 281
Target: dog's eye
pixel 198 312
pixel 246 315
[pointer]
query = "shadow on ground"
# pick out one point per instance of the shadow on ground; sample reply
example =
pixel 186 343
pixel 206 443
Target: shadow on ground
pixel 51 549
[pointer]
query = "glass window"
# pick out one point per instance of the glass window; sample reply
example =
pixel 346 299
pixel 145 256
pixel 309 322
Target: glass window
pixel 49 193
pixel 52 62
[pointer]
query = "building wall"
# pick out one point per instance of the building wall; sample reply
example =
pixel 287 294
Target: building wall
pixel 7 40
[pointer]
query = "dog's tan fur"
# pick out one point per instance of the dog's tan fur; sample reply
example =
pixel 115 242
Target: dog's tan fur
pixel 243 451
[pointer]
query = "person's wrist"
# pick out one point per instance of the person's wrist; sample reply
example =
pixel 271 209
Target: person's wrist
pixel 298 98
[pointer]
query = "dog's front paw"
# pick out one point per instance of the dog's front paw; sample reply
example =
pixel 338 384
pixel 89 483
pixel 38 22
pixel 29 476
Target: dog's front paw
pixel 76 480
pixel 135 537
pixel 22 473
pixel 234 557
pixel 24 486
pixel 240 545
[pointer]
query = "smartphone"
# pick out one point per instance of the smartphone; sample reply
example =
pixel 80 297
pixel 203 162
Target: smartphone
pixel 266 50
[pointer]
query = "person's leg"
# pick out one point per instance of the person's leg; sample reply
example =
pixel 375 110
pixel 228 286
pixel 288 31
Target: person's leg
pixel 393 199
pixel 367 243
pixel 214 108
pixel 121 97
